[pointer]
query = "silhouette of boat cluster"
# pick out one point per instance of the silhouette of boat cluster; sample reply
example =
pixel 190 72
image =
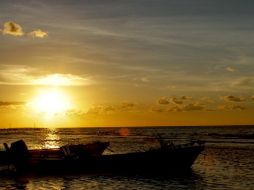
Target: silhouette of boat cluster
pixel 89 158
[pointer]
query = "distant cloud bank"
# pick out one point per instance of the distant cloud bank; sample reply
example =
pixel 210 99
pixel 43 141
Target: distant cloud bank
pixel 187 103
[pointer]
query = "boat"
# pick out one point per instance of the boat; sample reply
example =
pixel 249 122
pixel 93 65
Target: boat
pixel 89 158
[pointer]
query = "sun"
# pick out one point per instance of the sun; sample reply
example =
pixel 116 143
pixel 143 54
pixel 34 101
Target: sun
pixel 51 102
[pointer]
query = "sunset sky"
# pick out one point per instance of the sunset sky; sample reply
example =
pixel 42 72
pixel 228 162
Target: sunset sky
pixel 126 63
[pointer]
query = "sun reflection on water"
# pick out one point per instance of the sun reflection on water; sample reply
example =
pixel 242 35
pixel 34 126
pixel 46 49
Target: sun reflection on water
pixel 52 139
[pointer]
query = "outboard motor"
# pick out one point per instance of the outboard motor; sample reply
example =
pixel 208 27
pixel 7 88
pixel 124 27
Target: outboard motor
pixel 20 155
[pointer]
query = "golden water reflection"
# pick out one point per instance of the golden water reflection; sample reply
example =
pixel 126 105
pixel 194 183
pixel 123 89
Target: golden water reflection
pixel 45 183
pixel 52 139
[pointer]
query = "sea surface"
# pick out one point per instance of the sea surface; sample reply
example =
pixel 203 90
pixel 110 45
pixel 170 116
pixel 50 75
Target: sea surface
pixel 226 163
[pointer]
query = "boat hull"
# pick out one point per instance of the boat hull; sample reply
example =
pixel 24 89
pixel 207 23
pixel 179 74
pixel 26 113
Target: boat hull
pixel 160 160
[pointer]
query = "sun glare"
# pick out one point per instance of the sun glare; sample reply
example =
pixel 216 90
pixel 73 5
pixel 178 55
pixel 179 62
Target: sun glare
pixel 51 102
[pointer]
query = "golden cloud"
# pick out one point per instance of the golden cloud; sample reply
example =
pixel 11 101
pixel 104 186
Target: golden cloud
pixel 231 98
pixel 175 109
pixel 38 34
pixel 232 107
pixel 179 104
pixel 163 101
pixel 101 109
pixel 75 113
pixel 176 101
pixel 230 69
pixel 127 106
pixel 3 103
pixel 186 98
pixel 12 105
pixel 109 109
pixel 13 29
pixel 23 75
pixel 158 109
pixel 58 79
pixel 193 107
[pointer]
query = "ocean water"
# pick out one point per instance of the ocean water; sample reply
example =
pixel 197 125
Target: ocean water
pixel 226 163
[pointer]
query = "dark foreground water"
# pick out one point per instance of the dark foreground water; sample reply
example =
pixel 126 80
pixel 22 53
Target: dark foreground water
pixel 226 163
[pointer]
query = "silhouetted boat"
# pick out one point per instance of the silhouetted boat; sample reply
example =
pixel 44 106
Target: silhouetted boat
pixel 89 158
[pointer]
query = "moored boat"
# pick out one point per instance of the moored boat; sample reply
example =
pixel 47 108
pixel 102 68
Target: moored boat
pixel 89 158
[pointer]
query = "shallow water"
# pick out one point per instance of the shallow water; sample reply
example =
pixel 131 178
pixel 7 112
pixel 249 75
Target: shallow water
pixel 226 163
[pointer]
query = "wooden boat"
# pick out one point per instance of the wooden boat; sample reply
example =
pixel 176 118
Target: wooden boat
pixel 89 158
